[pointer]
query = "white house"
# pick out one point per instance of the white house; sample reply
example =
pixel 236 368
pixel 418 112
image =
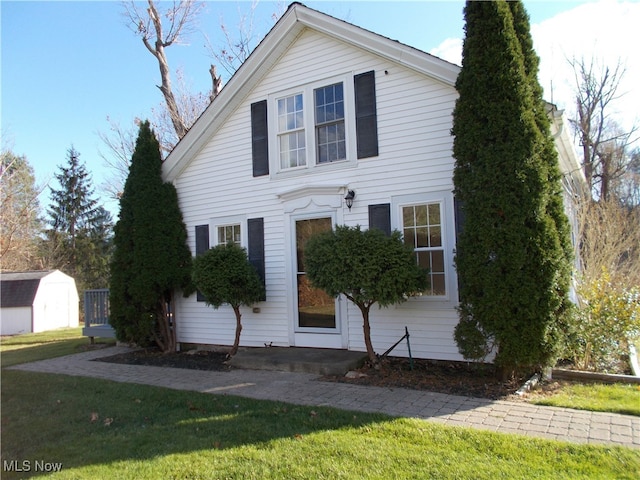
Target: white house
pixel 33 302
pixel 320 109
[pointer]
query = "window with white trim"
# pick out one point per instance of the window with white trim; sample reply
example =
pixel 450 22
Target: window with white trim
pixel 229 234
pixel 313 126
pixel 330 130
pixel 291 133
pixel 427 225
pixel 422 231
pixel 229 230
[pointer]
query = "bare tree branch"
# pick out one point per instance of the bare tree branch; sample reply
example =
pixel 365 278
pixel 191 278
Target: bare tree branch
pixel 604 144
pixel 238 45
pixel 120 145
pixel 180 18
pixel 609 240
pixel 20 224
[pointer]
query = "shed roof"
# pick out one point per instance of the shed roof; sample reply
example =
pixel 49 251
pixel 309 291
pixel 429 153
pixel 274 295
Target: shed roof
pixel 18 289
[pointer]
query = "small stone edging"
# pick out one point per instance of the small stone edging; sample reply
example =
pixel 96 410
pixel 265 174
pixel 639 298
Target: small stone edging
pixel 529 384
pixel 564 374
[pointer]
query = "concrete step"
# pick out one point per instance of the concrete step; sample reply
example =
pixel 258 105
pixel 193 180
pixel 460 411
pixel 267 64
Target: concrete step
pixel 321 361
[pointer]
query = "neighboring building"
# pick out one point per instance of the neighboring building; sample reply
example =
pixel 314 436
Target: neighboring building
pixel 33 302
pixel 322 108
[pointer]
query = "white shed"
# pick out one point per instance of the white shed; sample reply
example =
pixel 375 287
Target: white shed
pixel 37 301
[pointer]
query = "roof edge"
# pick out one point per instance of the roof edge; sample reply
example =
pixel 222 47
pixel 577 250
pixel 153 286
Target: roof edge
pixel 270 49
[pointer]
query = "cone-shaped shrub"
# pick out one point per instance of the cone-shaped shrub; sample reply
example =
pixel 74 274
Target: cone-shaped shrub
pixel 151 258
pixel 512 255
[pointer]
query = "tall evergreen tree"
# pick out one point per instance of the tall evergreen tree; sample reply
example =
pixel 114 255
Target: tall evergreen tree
pixel 151 257
pixel 78 239
pixel 560 233
pixel 73 207
pixel 512 253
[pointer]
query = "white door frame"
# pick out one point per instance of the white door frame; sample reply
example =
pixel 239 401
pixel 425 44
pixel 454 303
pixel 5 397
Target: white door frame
pixel 304 204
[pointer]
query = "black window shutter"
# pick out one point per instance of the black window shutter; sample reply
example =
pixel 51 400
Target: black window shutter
pixel 259 139
pixel 380 217
pixel 366 114
pixel 458 206
pixel 202 245
pixel 255 231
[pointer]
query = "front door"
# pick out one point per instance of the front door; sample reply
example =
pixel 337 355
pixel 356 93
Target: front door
pixel 315 312
pixel 316 309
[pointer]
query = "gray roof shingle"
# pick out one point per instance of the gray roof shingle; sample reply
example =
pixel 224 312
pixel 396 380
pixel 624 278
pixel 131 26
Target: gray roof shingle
pixel 18 289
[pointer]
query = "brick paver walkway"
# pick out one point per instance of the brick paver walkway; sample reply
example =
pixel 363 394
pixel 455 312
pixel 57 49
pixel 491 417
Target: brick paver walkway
pixel 305 389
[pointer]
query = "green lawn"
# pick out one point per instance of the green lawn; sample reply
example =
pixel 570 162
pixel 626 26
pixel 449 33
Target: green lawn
pixel 101 429
pixel 39 346
pixel 597 397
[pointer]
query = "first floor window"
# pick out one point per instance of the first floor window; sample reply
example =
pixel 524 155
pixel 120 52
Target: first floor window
pixel 422 231
pixel 229 234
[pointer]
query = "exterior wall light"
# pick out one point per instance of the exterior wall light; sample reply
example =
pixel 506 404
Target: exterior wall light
pixel 349 198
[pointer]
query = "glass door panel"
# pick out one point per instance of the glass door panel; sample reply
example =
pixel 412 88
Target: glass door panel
pixel 316 309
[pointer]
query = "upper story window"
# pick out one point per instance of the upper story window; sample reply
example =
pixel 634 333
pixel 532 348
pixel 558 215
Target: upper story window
pixel 291 134
pixel 314 126
pixel 329 122
pixel 330 128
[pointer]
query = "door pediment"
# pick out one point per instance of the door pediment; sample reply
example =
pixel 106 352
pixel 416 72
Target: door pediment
pixel 317 196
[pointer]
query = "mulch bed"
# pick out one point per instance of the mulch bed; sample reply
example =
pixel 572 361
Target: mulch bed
pixel 193 360
pixel 455 378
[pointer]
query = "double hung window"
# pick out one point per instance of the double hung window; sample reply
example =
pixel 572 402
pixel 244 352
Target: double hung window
pixel 327 122
pixel 291 133
pixel 422 231
pixel 330 129
pixel 313 126
pixel 229 234
pixel 426 222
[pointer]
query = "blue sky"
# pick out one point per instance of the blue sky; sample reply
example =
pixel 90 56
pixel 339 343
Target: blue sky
pixel 67 66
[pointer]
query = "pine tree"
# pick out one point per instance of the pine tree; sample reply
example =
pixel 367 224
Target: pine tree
pixel 72 244
pixel 512 253
pixel 73 208
pixel 151 258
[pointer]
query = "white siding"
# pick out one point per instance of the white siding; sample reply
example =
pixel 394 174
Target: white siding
pixel 414 122
pixel 56 304
pixel 14 321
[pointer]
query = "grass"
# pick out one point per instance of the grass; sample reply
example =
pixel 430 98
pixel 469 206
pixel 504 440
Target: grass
pixel 597 397
pixel 31 347
pixel 101 429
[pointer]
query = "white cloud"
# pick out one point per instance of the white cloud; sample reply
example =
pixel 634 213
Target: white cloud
pixel 606 31
pixel 449 50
